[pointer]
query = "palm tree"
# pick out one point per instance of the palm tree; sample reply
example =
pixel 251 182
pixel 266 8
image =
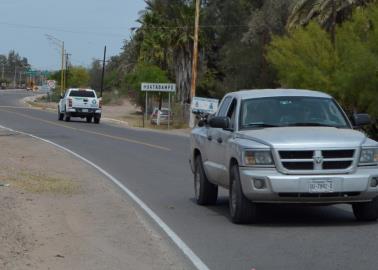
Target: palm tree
pixel 167 38
pixel 326 12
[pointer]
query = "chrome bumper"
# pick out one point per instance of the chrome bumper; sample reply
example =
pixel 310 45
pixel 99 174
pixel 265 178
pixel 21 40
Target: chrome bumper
pixel 281 188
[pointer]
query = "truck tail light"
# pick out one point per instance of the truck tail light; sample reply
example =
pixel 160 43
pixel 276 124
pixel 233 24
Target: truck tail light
pixel 70 103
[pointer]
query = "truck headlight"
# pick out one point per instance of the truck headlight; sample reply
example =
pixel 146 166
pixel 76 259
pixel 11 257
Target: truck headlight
pixel 258 158
pixel 369 155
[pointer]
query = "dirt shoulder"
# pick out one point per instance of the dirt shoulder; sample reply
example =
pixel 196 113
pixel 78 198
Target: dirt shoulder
pixel 59 213
pixel 123 114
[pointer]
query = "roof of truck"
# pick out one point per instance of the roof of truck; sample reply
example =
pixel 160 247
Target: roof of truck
pixel 262 93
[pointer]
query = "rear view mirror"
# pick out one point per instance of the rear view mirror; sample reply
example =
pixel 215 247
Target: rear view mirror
pixel 361 119
pixel 219 122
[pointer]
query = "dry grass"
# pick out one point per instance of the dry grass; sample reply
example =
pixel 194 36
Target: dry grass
pixel 42 183
pixel 43 106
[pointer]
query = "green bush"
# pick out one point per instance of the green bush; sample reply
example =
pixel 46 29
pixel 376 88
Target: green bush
pixel 307 59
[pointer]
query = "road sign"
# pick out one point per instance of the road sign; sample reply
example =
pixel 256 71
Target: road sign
pixel 204 105
pixel 51 84
pixel 158 87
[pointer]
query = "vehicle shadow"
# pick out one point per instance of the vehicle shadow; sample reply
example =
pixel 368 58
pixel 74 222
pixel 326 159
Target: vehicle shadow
pixel 282 215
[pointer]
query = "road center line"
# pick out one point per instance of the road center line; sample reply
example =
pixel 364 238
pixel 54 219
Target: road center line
pixel 91 132
pixel 189 253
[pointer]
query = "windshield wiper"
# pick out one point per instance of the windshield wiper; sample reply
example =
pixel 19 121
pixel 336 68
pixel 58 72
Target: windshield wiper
pixel 310 125
pixel 258 124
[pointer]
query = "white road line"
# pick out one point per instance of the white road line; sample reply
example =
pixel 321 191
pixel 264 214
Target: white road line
pixel 197 262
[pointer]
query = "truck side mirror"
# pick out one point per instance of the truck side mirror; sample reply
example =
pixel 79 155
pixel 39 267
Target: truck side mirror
pixel 361 119
pixel 219 122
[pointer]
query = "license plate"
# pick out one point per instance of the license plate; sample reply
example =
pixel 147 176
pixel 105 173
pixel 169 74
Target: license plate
pixel 85 110
pixel 321 186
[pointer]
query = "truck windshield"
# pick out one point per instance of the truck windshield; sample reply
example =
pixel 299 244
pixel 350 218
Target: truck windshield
pixel 89 94
pixel 291 112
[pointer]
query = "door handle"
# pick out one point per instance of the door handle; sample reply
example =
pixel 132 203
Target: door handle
pixel 220 140
pixel 210 138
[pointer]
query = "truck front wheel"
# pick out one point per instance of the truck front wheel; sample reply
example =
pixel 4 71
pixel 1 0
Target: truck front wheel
pixel 242 210
pixel 366 211
pixel 206 193
pixel 60 115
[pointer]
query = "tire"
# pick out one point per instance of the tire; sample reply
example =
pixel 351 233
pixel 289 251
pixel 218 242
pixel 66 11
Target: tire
pixel 60 115
pixel 97 120
pixel 205 192
pixel 242 210
pixel 366 211
pixel 89 119
pixel 67 118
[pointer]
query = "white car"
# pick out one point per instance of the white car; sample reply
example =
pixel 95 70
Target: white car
pixel 81 103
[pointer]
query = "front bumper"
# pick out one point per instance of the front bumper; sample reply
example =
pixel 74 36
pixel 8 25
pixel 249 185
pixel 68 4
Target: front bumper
pixel 281 188
pixel 84 112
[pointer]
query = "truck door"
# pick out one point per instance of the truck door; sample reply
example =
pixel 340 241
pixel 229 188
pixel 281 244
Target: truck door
pixel 214 165
pixel 222 138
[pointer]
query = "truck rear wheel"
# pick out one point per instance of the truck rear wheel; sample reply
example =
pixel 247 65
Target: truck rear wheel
pixel 366 211
pixel 206 193
pixel 242 210
pixel 97 120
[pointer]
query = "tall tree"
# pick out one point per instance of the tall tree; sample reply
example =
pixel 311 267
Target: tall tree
pixel 323 11
pixel 167 37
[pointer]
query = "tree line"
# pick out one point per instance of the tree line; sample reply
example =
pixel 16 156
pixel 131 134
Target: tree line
pixel 247 44
pixel 327 45
pixel 12 67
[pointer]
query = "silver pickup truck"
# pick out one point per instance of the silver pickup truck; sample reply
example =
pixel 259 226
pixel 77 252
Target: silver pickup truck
pixel 284 146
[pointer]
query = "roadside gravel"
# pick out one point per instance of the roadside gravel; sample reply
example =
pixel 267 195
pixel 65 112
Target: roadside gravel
pixel 59 213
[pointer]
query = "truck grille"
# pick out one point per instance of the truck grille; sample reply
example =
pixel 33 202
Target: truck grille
pixel 317 160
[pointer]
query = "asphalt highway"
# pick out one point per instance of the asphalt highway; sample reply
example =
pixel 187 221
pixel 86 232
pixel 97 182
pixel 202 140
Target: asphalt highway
pixel 155 167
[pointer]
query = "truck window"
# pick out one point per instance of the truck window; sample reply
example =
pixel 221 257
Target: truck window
pixel 224 107
pixel 89 94
pixel 232 114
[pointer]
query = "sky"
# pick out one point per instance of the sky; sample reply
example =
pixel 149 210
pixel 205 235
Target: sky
pixel 85 26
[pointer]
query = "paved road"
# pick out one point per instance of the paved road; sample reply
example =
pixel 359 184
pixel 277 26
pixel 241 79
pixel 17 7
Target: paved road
pixel 155 167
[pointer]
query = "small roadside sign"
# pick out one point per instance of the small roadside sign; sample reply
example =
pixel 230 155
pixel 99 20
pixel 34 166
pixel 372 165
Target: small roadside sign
pixel 51 84
pixel 204 105
pixel 158 87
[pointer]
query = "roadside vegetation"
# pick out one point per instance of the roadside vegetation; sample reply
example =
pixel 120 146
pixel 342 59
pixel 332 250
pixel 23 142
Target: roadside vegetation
pixel 13 67
pixel 327 45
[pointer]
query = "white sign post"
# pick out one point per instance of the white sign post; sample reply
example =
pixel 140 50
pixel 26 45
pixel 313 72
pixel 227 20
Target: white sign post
pixel 159 87
pixel 202 105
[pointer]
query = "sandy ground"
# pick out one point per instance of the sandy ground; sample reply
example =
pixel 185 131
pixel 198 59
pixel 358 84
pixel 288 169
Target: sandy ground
pixel 59 213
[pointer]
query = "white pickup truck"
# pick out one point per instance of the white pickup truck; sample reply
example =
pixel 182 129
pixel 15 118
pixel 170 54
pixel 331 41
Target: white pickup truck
pixel 284 146
pixel 81 103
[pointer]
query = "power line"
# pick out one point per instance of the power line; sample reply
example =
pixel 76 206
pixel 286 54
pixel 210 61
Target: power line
pixel 37 27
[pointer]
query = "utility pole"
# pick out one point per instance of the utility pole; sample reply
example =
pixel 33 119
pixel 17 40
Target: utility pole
pixel 62 72
pixel 66 68
pixel 103 72
pixel 195 50
pixel 59 43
